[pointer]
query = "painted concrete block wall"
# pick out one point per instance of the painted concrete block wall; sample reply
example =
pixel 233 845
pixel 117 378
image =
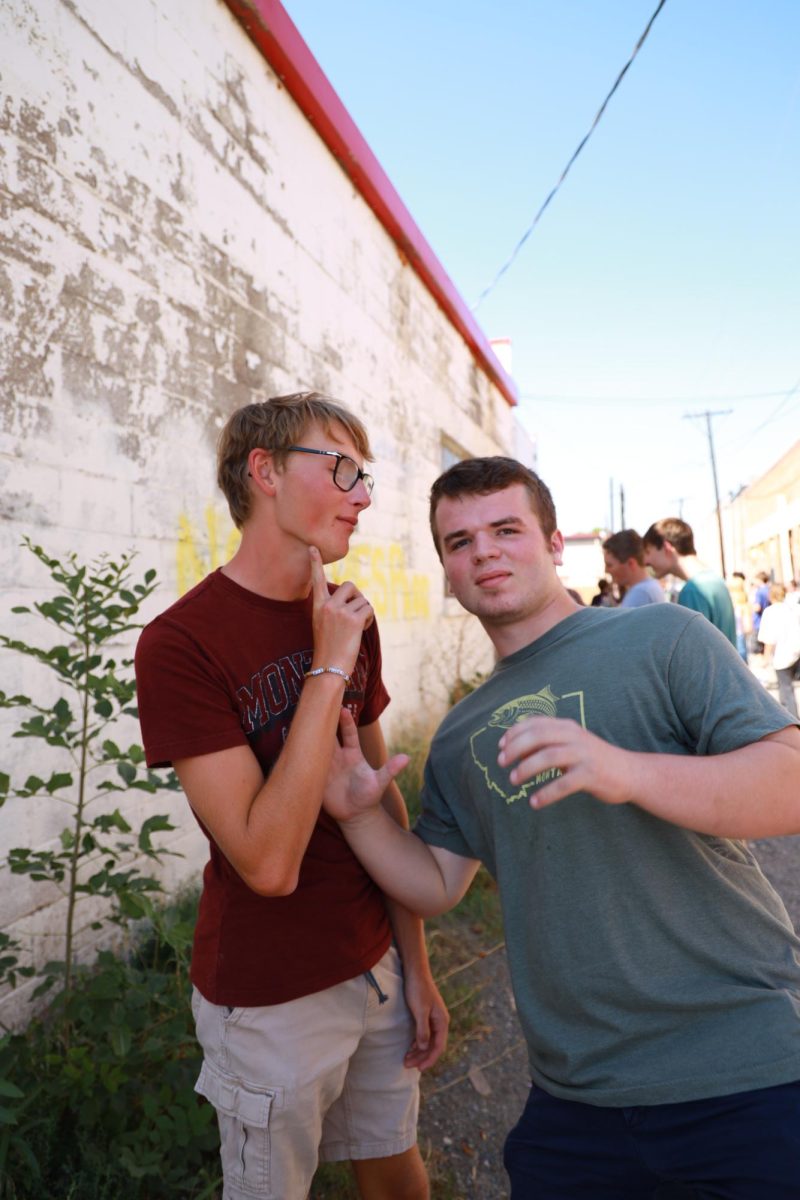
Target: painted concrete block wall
pixel 176 241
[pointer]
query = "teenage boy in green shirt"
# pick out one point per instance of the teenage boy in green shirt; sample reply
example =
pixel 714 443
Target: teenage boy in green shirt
pixel 608 773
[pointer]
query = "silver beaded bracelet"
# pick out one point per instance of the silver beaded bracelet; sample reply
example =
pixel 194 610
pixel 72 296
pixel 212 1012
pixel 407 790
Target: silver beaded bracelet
pixel 329 671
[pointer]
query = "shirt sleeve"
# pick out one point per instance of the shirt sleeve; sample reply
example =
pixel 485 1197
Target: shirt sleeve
pixel 717 698
pixel 185 706
pixel 376 697
pixel 437 826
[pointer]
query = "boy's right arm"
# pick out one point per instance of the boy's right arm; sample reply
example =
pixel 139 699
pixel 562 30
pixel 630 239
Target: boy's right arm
pixel 263 826
pixel 426 879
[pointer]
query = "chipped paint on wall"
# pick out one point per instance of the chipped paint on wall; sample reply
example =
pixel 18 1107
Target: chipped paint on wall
pixel 177 241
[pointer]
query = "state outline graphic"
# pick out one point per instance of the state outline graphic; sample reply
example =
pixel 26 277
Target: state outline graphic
pixel 542 703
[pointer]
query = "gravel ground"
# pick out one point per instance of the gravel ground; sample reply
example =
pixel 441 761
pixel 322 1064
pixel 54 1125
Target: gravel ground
pixel 469 1107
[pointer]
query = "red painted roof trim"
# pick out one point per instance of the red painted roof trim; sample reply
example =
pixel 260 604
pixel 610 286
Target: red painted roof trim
pixel 271 29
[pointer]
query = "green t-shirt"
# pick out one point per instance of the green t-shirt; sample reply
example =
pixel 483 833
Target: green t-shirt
pixel 650 964
pixel 706 593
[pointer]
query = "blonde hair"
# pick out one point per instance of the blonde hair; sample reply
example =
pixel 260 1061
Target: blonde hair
pixel 275 425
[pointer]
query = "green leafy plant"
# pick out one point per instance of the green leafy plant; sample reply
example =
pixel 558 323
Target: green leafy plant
pixel 96 1096
pixel 92 611
pixel 112 1112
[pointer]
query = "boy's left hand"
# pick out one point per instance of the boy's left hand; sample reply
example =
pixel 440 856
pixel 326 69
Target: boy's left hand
pixel 586 762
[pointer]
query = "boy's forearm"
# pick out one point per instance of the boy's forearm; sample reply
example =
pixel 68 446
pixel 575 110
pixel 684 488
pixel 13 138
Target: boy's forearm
pixel 263 826
pixel 746 793
pixel 400 863
pixel 753 792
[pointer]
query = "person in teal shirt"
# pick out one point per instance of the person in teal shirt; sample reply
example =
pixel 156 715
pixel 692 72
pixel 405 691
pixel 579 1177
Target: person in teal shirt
pixel 669 550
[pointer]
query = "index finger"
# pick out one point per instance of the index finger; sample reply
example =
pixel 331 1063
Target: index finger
pixel 529 726
pixel 348 729
pixel 535 733
pixel 319 584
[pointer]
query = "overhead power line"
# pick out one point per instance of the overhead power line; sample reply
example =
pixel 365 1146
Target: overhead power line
pixel 564 173
pixel 776 412
pixel 554 398
pixel 779 411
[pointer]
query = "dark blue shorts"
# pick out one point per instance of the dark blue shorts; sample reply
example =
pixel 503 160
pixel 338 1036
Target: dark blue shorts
pixel 740 1147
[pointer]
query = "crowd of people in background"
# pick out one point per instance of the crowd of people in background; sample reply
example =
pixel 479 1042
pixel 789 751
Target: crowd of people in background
pixel 760 618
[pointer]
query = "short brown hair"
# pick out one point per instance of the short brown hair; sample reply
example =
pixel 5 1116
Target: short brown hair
pixel 777 593
pixel 673 530
pixel 624 545
pixel 275 424
pixel 481 477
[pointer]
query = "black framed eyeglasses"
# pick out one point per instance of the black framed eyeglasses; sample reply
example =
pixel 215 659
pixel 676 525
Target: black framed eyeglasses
pixel 346 473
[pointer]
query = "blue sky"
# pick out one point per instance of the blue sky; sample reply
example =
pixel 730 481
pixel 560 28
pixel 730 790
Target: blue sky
pixel 664 278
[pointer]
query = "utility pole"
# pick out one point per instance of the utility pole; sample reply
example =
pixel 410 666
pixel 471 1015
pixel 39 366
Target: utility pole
pixel 621 507
pixel 720 412
pixel 611 505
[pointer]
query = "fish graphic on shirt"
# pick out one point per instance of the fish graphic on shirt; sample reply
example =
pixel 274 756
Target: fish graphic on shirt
pixel 483 742
pixel 543 704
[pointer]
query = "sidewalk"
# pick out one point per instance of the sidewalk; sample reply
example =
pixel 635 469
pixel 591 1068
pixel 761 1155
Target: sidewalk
pixel 765 674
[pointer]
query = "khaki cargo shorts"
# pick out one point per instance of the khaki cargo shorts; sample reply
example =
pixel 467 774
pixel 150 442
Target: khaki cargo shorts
pixel 318 1079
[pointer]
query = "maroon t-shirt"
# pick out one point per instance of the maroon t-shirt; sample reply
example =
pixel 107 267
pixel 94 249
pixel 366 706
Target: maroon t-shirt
pixel 224 667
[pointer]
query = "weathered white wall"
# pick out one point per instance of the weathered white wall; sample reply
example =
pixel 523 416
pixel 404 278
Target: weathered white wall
pixel 176 241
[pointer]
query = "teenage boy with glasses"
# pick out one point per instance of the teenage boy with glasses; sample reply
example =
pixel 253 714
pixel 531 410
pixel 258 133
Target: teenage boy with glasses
pixel 310 1050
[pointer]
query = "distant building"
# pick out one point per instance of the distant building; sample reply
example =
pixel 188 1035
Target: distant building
pixel 761 525
pixel 583 562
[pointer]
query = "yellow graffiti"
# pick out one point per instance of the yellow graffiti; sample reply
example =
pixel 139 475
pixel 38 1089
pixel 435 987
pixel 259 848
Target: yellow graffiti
pixel 380 572
pixel 196 556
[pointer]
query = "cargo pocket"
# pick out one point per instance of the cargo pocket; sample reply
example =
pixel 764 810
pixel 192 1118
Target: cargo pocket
pixel 243 1111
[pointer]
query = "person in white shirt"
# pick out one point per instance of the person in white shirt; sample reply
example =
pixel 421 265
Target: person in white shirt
pixel 779 632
